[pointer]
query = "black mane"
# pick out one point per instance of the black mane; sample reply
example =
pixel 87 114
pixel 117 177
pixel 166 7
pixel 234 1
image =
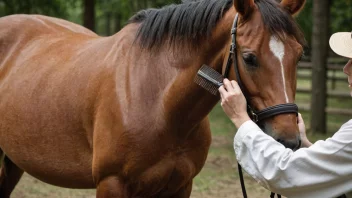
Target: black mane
pixel 193 20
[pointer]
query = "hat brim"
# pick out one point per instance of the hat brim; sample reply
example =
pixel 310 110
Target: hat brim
pixel 341 44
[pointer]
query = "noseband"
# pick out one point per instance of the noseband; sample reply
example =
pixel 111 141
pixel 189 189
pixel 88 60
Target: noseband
pixel 259 115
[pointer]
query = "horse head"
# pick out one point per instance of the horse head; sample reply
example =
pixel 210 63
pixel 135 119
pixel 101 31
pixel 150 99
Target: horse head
pixel 196 32
pixel 269 47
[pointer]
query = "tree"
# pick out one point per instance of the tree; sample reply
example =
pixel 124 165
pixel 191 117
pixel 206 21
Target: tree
pixel 89 14
pixel 112 15
pixel 341 16
pixel 305 21
pixel 320 39
pixel 56 8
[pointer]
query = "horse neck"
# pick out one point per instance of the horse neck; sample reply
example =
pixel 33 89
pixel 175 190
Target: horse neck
pixel 186 103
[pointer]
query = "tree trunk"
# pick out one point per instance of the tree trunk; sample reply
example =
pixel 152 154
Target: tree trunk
pixel 320 40
pixel 108 24
pixel 118 24
pixel 89 14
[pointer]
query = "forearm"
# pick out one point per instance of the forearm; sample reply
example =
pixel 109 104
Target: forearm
pixel 304 173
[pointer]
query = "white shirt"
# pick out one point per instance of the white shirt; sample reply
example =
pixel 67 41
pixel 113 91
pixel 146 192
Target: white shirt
pixel 323 170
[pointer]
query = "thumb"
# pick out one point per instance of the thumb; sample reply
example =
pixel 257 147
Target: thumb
pixel 300 119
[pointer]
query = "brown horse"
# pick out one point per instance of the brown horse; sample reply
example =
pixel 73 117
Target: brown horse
pixel 121 113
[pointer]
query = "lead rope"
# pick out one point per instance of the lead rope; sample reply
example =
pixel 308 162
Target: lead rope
pixel 250 112
pixel 242 180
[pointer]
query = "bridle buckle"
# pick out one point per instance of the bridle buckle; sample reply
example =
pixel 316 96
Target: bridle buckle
pixel 255 117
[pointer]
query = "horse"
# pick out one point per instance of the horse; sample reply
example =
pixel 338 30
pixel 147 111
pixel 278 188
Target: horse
pixel 121 113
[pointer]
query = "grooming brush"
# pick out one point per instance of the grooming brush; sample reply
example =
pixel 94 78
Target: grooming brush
pixel 209 79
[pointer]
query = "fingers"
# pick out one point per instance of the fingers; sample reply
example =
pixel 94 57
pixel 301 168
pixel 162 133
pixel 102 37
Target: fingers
pixel 222 91
pixel 235 86
pixel 228 85
pixel 299 118
pixel 229 88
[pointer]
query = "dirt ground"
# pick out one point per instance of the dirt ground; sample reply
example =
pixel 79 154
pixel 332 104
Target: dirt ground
pixel 30 187
pixel 218 179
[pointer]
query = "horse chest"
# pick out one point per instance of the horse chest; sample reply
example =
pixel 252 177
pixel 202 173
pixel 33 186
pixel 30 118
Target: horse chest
pixel 156 163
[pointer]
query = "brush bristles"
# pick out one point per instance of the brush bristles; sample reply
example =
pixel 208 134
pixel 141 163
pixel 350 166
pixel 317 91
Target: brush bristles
pixel 209 79
pixel 210 87
pixel 212 74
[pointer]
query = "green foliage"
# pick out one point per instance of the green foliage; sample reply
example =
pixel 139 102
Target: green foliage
pixel 56 8
pixel 74 11
pixel 341 16
pixel 112 15
pixel 304 19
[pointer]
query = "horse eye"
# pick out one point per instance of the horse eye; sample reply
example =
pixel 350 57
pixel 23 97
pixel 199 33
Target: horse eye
pixel 250 60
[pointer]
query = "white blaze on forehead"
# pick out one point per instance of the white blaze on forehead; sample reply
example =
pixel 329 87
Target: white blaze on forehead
pixel 278 49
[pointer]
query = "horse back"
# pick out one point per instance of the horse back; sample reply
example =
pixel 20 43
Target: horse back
pixel 17 31
pixel 38 24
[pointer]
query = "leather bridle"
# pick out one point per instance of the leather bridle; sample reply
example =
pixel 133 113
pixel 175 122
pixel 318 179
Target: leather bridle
pixel 256 116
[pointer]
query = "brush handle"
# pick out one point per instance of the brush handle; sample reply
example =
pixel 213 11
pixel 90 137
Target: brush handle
pixel 205 76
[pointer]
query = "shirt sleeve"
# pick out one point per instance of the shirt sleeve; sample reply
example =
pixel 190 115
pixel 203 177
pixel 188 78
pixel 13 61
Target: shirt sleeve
pixel 322 170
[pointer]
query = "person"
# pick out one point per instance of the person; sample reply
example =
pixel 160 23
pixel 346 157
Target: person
pixel 322 169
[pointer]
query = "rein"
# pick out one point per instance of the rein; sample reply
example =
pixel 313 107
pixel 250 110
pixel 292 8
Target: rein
pixel 256 116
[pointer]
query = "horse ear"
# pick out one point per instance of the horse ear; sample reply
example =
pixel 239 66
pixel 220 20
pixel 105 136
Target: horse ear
pixel 244 7
pixel 293 6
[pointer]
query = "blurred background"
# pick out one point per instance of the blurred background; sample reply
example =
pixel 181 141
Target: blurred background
pixel 322 88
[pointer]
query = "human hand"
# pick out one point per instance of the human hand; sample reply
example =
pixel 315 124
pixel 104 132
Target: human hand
pixel 233 102
pixel 302 132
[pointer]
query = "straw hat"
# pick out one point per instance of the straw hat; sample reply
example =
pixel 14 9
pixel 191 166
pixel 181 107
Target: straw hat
pixel 341 43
